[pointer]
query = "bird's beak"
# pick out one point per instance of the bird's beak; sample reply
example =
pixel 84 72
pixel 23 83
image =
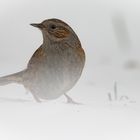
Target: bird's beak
pixel 38 25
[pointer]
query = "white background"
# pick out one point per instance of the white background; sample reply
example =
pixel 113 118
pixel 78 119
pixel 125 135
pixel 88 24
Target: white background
pixel 109 32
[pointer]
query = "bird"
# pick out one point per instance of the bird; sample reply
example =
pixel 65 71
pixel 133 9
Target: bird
pixel 55 67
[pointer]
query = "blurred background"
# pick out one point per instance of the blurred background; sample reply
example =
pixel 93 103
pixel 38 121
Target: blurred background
pixel 109 87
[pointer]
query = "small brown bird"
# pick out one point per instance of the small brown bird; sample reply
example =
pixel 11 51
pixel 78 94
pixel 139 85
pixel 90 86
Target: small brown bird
pixel 56 65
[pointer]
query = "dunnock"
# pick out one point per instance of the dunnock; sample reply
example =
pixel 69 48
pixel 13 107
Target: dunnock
pixel 55 66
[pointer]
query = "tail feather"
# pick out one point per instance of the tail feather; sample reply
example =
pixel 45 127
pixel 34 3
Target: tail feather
pixel 13 78
pixel 5 81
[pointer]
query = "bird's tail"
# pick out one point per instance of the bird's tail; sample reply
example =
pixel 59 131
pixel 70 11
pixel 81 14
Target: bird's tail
pixel 13 78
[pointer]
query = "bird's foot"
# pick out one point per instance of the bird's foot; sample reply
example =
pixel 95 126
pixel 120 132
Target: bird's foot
pixel 71 101
pixel 38 100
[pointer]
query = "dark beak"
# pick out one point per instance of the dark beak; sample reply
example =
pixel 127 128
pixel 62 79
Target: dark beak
pixel 38 25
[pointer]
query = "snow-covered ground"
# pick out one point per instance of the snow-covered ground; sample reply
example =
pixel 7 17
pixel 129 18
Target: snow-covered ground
pixel 108 89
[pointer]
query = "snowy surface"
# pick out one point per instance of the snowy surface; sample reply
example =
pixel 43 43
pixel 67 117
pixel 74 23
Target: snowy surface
pixel 108 89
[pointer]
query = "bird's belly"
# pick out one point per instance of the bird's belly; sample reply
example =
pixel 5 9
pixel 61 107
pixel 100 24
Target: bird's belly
pixel 55 76
pixel 51 85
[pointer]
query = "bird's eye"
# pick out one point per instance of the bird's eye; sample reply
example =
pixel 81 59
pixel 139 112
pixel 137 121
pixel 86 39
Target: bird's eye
pixel 53 26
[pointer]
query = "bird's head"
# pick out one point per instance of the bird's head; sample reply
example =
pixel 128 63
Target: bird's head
pixel 55 30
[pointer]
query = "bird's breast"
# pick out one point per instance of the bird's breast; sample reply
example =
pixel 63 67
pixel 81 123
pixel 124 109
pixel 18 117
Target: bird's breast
pixel 57 71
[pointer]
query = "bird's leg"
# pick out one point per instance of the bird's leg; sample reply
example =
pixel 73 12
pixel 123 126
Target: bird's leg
pixel 27 91
pixel 70 100
pixel 36 98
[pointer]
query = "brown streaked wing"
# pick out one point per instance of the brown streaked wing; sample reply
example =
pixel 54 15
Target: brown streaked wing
pixel 37 56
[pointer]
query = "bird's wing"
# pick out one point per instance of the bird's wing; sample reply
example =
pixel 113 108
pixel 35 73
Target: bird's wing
pixel 36 57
